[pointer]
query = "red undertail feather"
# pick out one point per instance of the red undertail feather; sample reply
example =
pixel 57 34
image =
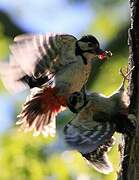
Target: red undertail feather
pixel 40 110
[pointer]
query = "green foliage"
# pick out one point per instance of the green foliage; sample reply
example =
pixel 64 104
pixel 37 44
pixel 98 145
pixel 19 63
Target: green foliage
pixel 4 44
pixel 109 23
pixel 23 156
pixel 109 78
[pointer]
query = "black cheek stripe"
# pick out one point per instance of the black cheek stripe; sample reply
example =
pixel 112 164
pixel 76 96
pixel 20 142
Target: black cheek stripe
pixel 79 52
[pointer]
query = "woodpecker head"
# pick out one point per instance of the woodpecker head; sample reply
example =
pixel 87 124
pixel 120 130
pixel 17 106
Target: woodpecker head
pixel 89 47
pixel 76 101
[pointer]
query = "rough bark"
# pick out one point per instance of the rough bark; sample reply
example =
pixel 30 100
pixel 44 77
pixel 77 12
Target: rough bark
pixel 130 164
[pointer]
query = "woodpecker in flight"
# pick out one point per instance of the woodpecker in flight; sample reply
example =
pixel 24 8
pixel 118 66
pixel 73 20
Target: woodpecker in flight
pixel 53 66
pixel 97 118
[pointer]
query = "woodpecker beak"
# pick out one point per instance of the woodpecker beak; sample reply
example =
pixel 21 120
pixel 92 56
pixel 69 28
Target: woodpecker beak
pixel 102 55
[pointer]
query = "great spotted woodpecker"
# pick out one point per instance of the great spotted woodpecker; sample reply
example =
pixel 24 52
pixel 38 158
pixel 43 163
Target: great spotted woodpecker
pixel 53 66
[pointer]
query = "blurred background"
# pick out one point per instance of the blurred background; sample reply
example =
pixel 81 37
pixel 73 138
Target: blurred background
pixel 22 156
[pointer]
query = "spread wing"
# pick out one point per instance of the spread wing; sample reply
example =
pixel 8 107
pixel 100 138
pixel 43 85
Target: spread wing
pixel 86 135
pixel 38 57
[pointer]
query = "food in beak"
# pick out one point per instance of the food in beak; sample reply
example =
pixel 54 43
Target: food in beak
pixel 104 55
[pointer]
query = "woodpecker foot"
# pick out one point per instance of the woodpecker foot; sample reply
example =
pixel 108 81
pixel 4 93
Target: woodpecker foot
pixel 126 125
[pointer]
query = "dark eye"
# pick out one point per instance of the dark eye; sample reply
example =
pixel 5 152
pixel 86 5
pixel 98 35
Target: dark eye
pixel 94 46
pixel 90 45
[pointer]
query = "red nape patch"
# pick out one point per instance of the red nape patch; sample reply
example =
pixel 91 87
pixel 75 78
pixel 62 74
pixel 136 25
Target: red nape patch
pixel 53 102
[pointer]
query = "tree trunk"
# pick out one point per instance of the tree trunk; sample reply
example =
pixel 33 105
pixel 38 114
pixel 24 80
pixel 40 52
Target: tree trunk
pixel 130 164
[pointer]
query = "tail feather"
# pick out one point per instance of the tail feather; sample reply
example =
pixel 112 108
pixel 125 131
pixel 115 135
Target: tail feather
pixel 102 164
pixel 99 158
pixel 40 110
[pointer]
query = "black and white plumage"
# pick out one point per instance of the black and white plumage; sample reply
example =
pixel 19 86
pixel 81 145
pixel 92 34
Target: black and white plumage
pixel 53 66
pixel 85 134
pixel 99 158
pixel 92 139
pixel 94 124
pixel 89 132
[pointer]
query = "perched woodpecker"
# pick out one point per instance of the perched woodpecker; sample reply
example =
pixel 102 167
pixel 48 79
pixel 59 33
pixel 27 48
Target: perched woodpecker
pixel 97 118
pixel 53 66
